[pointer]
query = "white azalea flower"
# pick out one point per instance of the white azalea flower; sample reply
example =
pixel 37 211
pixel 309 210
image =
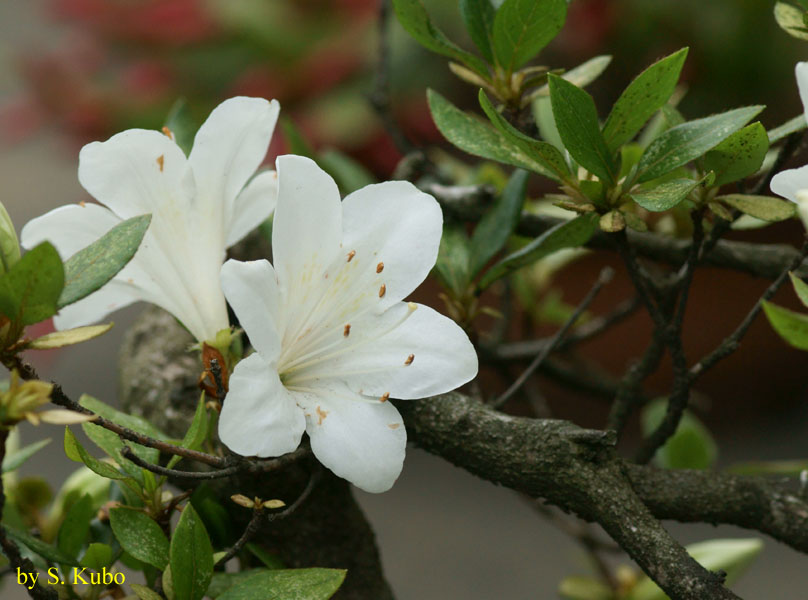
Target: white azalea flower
pixel 333 338
pixel 200 205
pixel 793 183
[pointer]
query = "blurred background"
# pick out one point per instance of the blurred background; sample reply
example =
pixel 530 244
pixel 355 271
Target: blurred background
pixel 73 71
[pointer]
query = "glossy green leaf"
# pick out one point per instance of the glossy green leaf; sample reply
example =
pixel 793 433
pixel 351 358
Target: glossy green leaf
pixel 523 27
pixel 287 584
pixel 181 124
pixel 14 460
pixel 664 196
pixel 413 17
pixel 140 536
pixel 690 447
pixel 542 153
pixel 497 225
pixel 92 267
pixel 196 433
pixel 43 549
pixel 792 326
pixel 683 143
pixel 452 265
pixel 191 557
pixel 29 291
pixel 766 208
pixel 9 244
pixel 570 234
pixel 642 98
pixel 791 126
pixel 349 174
pixel 801 288
pixel 478 15
pixel 577 122
pixel 97 556
pixel 76 452
pixel 75 527
pixel 790 19
pixel 738 156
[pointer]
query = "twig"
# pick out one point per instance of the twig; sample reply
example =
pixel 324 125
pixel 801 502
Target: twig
pixel 629 391
pixel 605 276
pixel 255 523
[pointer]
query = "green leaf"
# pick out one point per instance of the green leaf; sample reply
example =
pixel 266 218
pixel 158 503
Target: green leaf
pixel 30 289
pixel 271 561
pixel 478 15
pixel 523 27
pixel 43 549
pixel 89 269
pixel 452 265
pixel 97 556
pixel 9 245
pixel 791 126
pixel 789 18
pixel 543 153
pixel 191 557
pixel 690 447
pixel 181 124
pixel 683 143
pixel 642 98
pixel 577 122
pixel 477 137
pixel 294 138
pixel 612 221
pixel 349 174
pixel 582 75
pixel 110 443
pixel 145 593
pixel 664 196
pixel 792 326
pixel 68 337
pixel 801 288
pixel 570 234
pixel 287 584
pixel 215 517
pixel 783 468
pixel 766 208
pixel 196 433
pixel 413 17
pixel 76 452
pixel 497 225
pixel 140 536
pixel 738 156
pixel 75 527
pixel 133 422
pixel 14 460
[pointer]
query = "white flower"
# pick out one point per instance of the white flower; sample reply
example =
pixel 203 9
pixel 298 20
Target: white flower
pixel 200 206
pixel 333 338
pixel 793 183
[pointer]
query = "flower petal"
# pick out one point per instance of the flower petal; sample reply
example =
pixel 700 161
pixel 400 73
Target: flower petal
pixel 788 183
pixel 252 291
pixel 252 206
pixel 361 441
pixel 69 228
pixel 307 230
pixel 395 229
pixel 403 353
pixel 228 148
pixel 137 172
pixel 259 417
pixel 801 71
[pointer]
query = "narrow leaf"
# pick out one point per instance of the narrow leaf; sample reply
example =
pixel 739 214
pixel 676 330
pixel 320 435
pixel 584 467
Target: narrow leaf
pixel 452 265
pixel 792 326
pixel 68 337
pixel 196 433
pixel 789 18
pixel 692 445
pixel 76 452
pixel 664 196
pixel 478 15
pixel 140 536
pixel 181 125
pixel 89 269
pixel 287 584
pixel 523 27
pixel 43 549
pixel 191 557
pixel 349 174
pixel 791 126
pixel 75 527
pixel 9 244
pixel 30 289
pixel 97 556
pixel 765 208
pixel 582 75
pixel 14 460
pixel 801 288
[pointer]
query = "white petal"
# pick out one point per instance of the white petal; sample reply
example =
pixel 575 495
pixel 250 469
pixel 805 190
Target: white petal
pixel 801 71
pixel 252 291
pixel 259 417
pixel 788 183
pixel 394 227
pixel 69 228
pixel 404 354
pixel 307 230
pixel 361 441
pixel 113 296
pixel 137 172
pixel 253 206
pixel 228 148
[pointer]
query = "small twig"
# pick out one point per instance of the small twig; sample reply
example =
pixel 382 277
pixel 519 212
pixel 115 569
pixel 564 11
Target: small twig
pixel 605 276
pixel 630 386
pixel 255 523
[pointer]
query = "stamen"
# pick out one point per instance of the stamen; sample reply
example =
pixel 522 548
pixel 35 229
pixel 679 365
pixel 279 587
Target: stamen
pixel 161 161
pixel 394 425
pixel 409 360
pixel 346 332
pixel 351 254
pixel 82 204
pixel 385 397
pixel 168 133
pixel 380 267
pixel 382 290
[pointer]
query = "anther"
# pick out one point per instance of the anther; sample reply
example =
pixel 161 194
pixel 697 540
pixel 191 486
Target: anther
pixel 380 267
pixel 382 290
pixel 347 330
pixel 409 360
pixel 168 133
pixel 384 397
pixel 351 254
pixel 161 161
